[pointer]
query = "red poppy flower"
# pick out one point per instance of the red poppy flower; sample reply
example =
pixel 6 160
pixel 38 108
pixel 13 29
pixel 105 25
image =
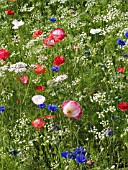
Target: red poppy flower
pixel 123 106
pixel 49 42
pixel 38 123
pixel 59 60
pixel 40 88
pixel 23 79
pixel 58 34
pixel 121 69
pixel 49 116
pixel 37 33
pixel 4 54
pixel 9 12
pixel 40 69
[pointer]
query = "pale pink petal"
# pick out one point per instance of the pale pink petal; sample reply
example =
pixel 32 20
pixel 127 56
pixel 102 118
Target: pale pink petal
pixel 78 116
pixel 65 103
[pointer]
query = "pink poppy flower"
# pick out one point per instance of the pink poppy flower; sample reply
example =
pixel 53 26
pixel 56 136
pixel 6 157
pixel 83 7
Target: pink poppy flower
pixel 58 34
pixel 38 123
pixel 4 54
pixel 49 42
pixel 72 109
pixel 23 79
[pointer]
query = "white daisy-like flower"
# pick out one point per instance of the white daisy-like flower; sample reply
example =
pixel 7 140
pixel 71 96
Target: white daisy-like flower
pixel 60 78
pixel 38 99
pixel 17 24
pixel 95 31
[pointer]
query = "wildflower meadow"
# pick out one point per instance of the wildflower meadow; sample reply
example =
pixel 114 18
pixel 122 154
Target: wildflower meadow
pixel 64 84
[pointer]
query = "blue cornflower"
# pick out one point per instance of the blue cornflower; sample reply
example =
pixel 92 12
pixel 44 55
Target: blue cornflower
pixel 120 42
pixel 55 68
pixel 14 153
pixel 125 55
pixel 52 107
pixel 109 132
pixel 64 154
pixel 72 155
pixel 81 158
pixel 2 108
pixel 52 19
pixel 126 34
pixel 80 150
pixel 40 106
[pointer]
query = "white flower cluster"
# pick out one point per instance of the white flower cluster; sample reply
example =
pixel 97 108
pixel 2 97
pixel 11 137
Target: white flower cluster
pixel 53 1
pixel 90 4
pixel 42 58
pixel 76 81
pixel 74 22
pixel 97 96
pixel 6 96
pixel 111 109
pixel 57 80
pixel 19 134
pixel 61 78
pixel 19 67
pixel 62 1
pixel 25 8
pixel 106 64
pixel 16 39
pixel 100 135
pixel 4 68
pixel 36 80
pixel 31 43
pixel 52 138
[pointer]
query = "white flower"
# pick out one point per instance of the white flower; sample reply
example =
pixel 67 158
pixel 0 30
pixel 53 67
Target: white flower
pixel 18 67
pixel 113 167
pixel 38 99
pixel 17 24
pixel 20 70
pixel 95 31
pixel 51 82
pixel 4 68
pixel 61 78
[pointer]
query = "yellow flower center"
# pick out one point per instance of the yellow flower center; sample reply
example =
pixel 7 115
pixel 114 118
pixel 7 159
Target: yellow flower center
pixel 69 112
